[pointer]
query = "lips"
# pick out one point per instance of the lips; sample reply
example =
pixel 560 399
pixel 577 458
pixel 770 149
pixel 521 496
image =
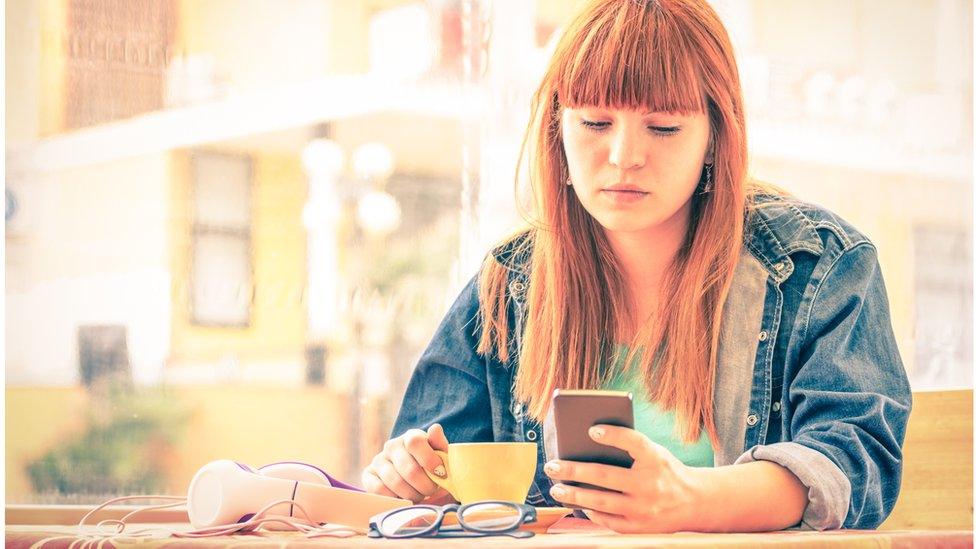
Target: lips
pixel 624 194
pixel 625 189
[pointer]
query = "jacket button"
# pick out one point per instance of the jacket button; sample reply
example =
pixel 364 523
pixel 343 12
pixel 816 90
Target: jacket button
pixel 752 419
pixel 518 287
pixel 777 406
pixel 763 335
pixel 531 435
pixel 779 266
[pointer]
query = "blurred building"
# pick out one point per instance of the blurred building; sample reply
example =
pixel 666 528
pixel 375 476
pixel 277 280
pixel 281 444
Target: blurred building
pixel 162 201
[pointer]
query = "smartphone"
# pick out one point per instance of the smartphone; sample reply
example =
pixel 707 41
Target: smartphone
pixel 575 411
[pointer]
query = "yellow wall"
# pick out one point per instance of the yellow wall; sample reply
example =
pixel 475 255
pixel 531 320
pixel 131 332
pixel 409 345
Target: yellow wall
pixel 307 40
pixel 283 44
pixel 261 425
pixel 36 420
pixel 254 425
pixel 54 36
pixel 22 70
pixel 277 329
pixel 35 42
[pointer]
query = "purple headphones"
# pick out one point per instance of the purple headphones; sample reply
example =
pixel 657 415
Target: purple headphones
pixel 226 492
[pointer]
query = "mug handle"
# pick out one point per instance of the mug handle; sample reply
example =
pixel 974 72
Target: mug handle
pixel 445 482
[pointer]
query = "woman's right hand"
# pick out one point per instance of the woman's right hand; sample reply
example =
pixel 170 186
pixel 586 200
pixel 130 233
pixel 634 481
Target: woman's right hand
pixel 398 471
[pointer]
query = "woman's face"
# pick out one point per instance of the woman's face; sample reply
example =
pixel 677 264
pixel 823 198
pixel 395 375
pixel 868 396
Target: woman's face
pixel 635 171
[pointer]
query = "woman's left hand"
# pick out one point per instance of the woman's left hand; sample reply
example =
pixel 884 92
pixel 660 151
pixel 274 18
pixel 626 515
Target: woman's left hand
pixel 657 493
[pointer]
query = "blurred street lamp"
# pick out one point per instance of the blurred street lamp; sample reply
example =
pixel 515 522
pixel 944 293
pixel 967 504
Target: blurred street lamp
pixel 377 212
pixel 372 161
pixel 323 157
pixel 323 161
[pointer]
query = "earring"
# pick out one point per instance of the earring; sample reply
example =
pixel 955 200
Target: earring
pixel 707 185
pixel 569 182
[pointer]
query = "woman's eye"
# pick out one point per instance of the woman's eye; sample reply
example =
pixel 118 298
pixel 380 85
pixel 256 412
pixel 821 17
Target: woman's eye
pixel 661 130
pixel 658 130
pixel 595 125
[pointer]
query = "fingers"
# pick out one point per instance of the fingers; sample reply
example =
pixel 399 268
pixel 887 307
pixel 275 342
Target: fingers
pixel 436 438
pixel 598 500
pixel 421 447
pixel 373 484
pixel 629 440
pixel 409 470
pixel 388 474
pixel 597 474
pixel 399 470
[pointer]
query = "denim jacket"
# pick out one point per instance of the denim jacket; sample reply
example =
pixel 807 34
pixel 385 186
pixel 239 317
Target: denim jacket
pixel 808 375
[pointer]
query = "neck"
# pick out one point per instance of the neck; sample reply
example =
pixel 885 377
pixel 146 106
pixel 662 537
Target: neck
pixel 646 255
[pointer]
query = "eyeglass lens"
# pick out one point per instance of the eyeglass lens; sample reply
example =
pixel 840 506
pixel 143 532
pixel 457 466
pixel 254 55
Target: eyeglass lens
pixel 481 517
pixel 409 521
pixel 490 517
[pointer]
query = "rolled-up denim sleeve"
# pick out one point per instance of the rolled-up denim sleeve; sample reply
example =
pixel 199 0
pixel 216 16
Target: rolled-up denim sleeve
pixel 828 488
pixel 849 399
pixel 449 384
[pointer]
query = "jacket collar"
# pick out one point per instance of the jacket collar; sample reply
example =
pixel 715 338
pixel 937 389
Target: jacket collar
pixel 775 229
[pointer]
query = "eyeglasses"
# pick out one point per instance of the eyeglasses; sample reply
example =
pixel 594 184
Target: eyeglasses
pixel 482 518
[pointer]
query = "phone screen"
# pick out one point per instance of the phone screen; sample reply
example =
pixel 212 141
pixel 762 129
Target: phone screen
pixel 576 411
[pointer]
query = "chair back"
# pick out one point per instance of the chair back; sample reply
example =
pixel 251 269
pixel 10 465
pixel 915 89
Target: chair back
pixel 937 484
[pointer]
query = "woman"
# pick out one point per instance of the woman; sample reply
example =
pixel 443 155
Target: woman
pixel 774 395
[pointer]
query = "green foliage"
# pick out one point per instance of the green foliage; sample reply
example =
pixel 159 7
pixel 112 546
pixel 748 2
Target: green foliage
pixel 122 450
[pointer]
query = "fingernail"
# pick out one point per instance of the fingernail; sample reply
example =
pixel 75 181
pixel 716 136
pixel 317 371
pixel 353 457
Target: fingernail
pixel 552 467
pixel 597 432
pixel 439 471
pixel 557 491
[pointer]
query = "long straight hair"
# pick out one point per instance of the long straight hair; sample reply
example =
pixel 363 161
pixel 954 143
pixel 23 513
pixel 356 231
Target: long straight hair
pixel 660 55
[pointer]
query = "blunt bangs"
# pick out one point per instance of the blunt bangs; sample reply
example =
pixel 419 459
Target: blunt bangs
pixel 628 54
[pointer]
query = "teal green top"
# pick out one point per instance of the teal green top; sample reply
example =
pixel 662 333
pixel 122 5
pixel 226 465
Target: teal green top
pixel 657 424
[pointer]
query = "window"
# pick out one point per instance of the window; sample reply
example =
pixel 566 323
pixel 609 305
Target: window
pixel 943 307
pixel 221 264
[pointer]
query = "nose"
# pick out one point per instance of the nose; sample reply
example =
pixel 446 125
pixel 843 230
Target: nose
pixel 626 151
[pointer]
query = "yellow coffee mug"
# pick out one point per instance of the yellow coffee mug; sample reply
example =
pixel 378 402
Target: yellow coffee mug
pixel 478 471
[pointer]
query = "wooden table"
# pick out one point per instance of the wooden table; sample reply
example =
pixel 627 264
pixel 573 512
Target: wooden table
pixel 27 536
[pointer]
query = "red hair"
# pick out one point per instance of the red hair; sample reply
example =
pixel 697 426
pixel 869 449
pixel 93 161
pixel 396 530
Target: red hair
pixel 659 55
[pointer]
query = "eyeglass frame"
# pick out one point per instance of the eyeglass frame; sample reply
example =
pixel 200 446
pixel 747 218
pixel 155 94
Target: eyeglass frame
pixel 527 515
